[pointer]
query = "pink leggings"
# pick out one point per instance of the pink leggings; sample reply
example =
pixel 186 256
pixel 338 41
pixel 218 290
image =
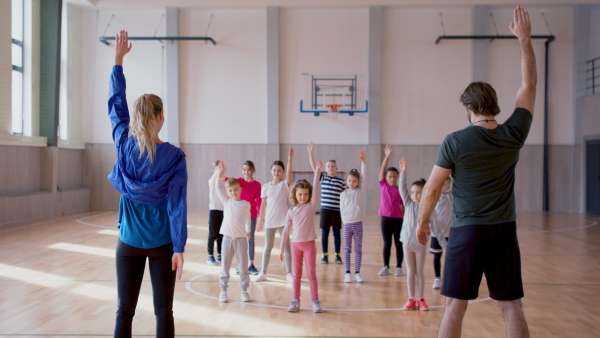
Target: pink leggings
pixel 305 251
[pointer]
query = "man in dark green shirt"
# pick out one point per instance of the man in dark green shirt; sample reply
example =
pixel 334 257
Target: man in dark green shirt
pixel 482 160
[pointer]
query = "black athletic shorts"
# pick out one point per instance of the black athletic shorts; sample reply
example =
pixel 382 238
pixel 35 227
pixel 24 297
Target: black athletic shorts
pixel 329 218
pixel 474 250
pixel 435 246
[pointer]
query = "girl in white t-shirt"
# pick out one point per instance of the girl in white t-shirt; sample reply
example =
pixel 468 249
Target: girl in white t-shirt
pixel 352 207
pixel 273 211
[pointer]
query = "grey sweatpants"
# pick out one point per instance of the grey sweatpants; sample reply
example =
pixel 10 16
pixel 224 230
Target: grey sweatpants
pixel 269 241
pixel 238 247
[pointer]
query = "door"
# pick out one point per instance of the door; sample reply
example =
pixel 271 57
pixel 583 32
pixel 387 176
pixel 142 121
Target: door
pixel 593 177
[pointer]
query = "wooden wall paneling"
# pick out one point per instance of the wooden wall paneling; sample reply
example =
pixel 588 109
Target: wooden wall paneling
pixel 201 156
pixel 528 179
pixel 74 200
pixel 20 170
pixel 70 168
pixel 563 165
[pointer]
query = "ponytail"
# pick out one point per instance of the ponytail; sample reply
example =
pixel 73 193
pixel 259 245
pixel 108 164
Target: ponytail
pixel 420 183
pixel 143 123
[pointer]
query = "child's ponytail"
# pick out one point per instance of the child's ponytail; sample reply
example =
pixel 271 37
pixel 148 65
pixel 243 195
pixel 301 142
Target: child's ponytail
pixel 143 123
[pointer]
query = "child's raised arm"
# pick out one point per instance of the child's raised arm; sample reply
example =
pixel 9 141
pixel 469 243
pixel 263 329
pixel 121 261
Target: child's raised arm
pixel 403 185
pixel 388 152
pixel 316 181
pixel 362 155
pixel 288 173
pixel 311 155
pixel 220 171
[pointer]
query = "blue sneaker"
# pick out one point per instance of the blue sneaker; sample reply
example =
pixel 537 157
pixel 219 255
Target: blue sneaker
pixel 211 260
pixel 219 258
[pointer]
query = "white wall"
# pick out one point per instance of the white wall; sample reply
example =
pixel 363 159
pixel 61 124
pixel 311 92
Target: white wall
pixel 223 88
pixel 143 66
pixel 504 71
pixel 421 81
pixel 320 41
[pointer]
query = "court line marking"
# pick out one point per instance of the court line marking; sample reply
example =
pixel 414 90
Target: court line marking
pixel 80 220
pixel 188 286
pixel 43 222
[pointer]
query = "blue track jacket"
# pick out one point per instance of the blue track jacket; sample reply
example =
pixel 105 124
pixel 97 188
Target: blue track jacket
pixel 152 192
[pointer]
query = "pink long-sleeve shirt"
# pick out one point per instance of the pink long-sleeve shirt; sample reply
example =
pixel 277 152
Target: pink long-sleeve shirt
pixel 251 193
pixel 300 220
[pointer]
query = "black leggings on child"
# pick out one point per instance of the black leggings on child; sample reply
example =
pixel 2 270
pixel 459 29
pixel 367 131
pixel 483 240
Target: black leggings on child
pixel 437 264
pixel 390 230
pixel 131 262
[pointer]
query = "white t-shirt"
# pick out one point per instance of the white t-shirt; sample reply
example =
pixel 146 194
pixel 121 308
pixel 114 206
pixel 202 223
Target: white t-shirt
pixel 236 218
pixel 214 202
pixel 277 203
pixel 353 203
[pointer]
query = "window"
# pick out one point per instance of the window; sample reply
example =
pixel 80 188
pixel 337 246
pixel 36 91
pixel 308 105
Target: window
pixel 17 66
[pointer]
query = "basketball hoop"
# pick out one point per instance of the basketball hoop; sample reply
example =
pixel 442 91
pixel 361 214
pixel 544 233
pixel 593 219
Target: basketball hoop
pixel 333 108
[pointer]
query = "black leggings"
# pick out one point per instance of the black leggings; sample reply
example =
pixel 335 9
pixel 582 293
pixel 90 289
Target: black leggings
pixel 215 219
pixel 437 264
pixel 390 229
pixel 131 262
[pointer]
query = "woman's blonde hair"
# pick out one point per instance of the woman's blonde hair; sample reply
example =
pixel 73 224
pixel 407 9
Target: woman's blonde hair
pixel 143 123
pixel 300 184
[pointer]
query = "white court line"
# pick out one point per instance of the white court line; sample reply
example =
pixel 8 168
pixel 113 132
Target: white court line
pixel 43 222
pixel 80 220
pixel 189 287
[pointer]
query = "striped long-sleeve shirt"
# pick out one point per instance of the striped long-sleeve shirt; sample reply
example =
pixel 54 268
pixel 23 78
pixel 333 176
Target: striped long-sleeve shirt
pixel 331 188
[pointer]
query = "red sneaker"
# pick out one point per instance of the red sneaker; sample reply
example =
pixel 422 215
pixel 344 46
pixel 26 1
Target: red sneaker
pixel 410 304
pixel 422 305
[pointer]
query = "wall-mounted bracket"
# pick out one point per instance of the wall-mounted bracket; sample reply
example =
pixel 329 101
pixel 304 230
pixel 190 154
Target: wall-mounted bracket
pixel 105 39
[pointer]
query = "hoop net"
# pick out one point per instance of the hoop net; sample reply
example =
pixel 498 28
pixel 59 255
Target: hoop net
pixel 333 110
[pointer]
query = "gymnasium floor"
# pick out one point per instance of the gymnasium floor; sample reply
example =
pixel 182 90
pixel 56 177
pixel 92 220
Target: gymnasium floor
pixel 57 279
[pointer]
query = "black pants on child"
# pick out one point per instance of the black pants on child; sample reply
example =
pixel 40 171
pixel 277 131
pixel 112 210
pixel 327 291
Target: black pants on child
pixel 215 219
pixel 390 230
pixel 131 262
pixel 331 219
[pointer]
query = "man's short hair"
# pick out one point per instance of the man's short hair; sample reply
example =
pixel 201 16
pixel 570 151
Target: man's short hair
pixel 481 99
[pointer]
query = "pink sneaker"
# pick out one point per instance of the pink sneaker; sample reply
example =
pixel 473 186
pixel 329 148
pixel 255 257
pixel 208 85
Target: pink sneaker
pixel 422 305
pixel 410 304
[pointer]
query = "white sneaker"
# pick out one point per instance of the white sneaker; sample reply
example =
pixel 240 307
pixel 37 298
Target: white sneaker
pixel 358 278
pixel 398 272
pixel 261 277
pixel 223 297
pixel 245 296
pixel 348 278
pixel 317 306
pixel 437 283
pixel 289 277
pixel 294 306
pixel 385 271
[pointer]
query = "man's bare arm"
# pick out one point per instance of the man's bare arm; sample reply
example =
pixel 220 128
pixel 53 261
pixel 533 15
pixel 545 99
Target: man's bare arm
pixel 521 28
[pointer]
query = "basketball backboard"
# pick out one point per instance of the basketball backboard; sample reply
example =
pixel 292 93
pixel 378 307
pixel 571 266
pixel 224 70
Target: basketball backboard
pixel 337 93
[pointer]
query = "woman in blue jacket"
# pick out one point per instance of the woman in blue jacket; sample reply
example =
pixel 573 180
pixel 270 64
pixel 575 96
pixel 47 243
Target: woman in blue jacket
pixel 151 176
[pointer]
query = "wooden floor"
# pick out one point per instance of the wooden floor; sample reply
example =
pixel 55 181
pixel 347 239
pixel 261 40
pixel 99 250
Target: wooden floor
pixel 57 279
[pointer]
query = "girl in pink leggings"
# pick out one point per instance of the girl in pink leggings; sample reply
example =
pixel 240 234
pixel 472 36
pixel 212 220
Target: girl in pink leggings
pixel 300 222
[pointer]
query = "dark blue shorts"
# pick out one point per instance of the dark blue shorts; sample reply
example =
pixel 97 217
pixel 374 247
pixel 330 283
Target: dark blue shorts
pixel 475 250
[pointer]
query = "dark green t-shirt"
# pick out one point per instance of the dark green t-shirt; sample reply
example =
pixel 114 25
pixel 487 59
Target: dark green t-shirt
pixel 483 165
